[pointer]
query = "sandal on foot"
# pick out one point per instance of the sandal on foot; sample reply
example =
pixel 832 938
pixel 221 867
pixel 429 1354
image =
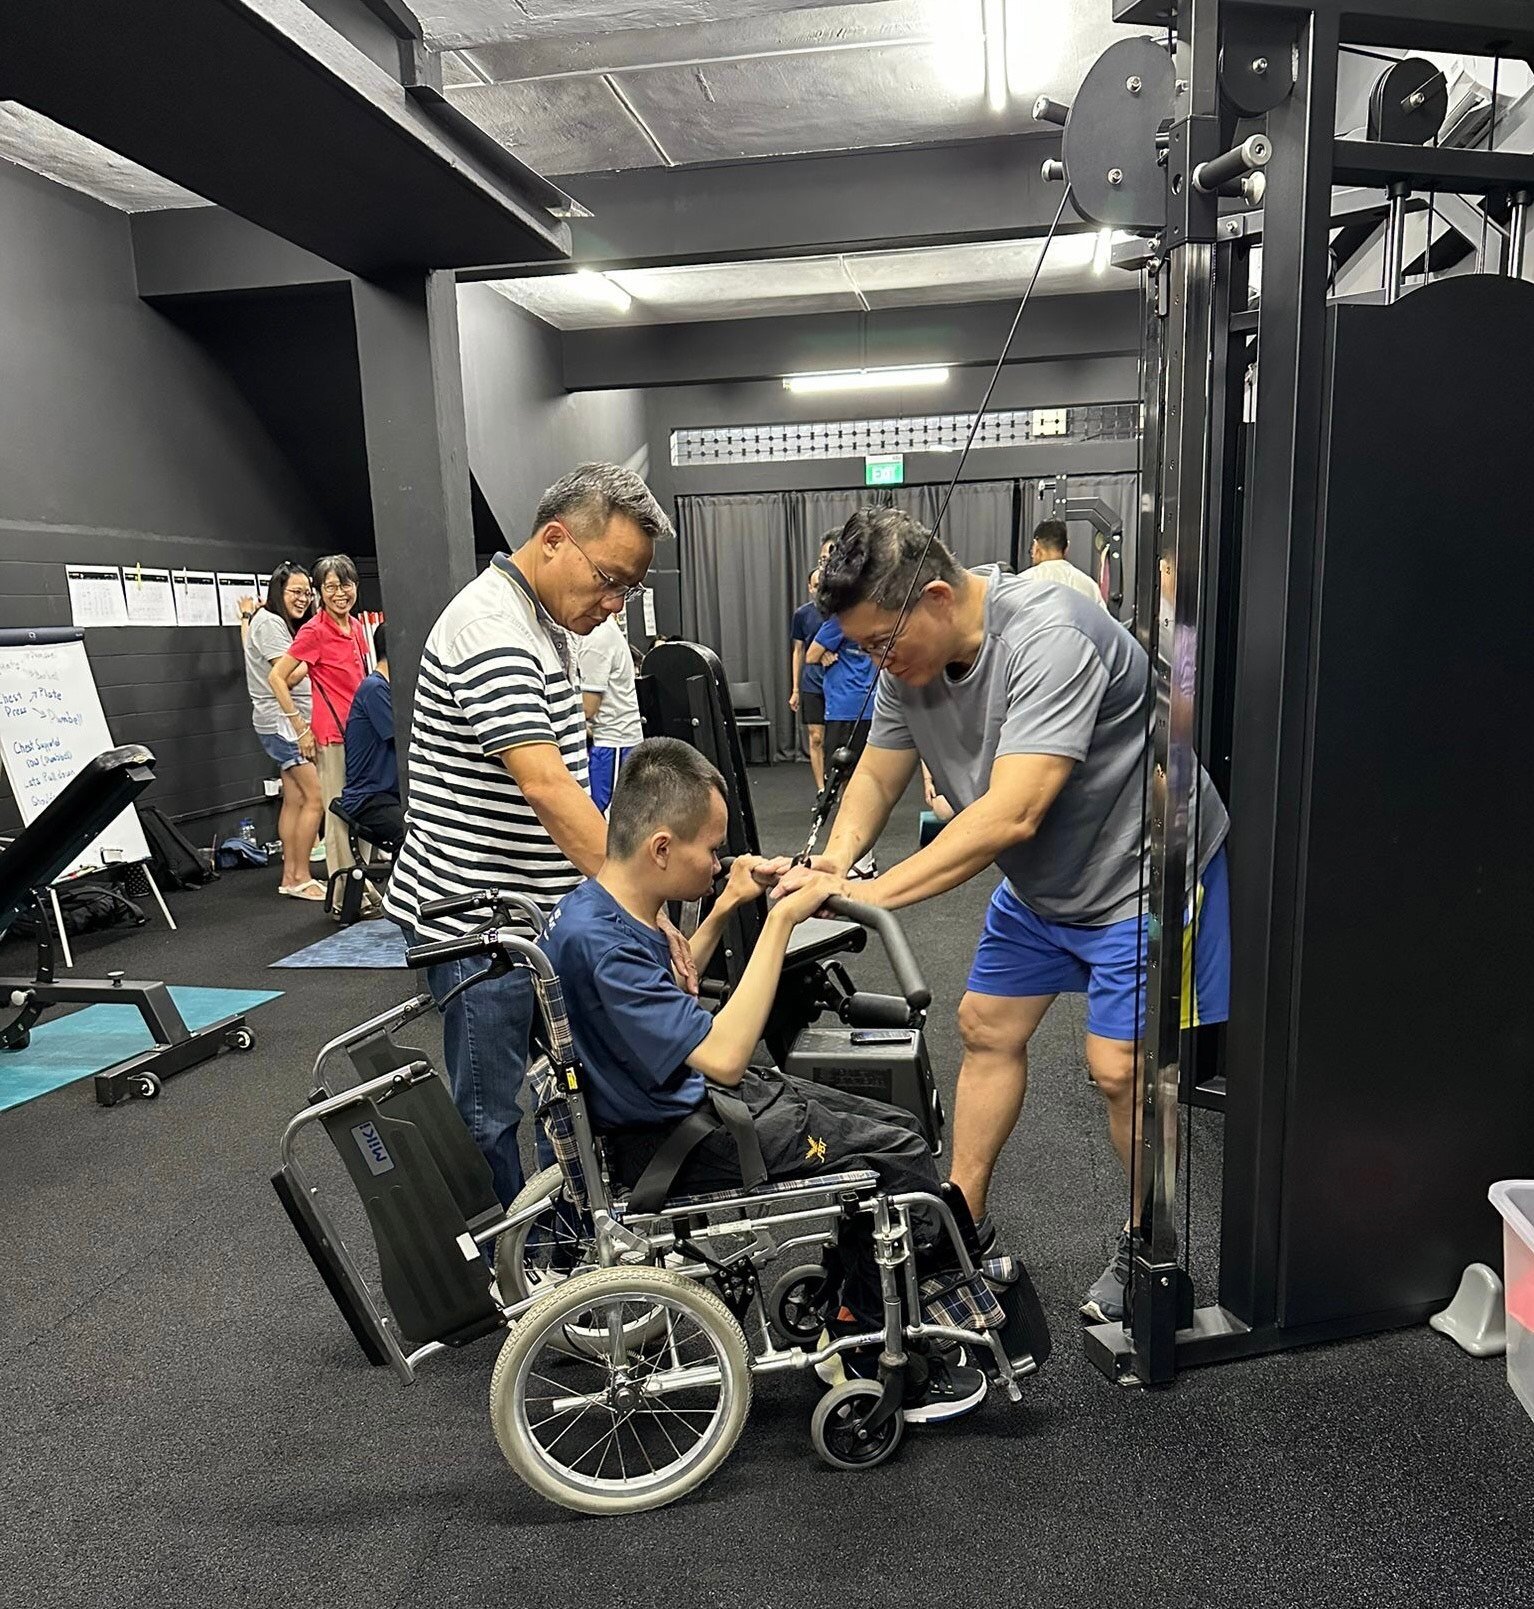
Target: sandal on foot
pixel 311 890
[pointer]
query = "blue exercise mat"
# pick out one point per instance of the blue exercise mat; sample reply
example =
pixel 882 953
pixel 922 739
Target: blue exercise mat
pixel 94 1038
pixel 376 943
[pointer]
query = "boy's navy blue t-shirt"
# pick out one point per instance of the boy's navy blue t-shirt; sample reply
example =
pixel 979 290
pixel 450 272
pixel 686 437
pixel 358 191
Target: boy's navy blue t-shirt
pixel 634 1025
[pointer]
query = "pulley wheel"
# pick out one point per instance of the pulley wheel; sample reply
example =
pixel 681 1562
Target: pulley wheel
pixel 1409 103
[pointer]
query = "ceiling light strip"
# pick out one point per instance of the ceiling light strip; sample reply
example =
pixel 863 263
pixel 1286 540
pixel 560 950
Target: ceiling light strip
pixel 866 379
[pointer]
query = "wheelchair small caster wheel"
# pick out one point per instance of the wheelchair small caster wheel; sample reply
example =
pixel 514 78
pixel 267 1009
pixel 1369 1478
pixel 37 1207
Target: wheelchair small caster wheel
pixel 145 1086
pixel 240 1039
pixel 799 1304
pixel 837 1427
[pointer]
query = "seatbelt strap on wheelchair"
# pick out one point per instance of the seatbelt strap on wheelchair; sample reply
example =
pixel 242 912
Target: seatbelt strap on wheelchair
pixel 733 1112
pixel 725 1110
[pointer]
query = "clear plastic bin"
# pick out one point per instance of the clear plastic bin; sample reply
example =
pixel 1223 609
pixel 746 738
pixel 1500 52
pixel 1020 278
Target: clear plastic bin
pixel 1514 1199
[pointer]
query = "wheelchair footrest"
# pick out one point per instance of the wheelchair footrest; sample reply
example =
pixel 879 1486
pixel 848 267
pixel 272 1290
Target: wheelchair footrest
pixel 1000 1297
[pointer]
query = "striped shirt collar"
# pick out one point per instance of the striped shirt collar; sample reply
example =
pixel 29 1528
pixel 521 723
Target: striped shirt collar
pixel 557 634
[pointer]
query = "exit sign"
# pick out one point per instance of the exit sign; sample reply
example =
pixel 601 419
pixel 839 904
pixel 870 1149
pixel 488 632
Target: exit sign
pixel 884 471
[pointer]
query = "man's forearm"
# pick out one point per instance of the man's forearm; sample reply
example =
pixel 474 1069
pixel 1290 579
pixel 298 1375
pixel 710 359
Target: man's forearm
pixel 573 822
pixel 865 810
pixel 966 846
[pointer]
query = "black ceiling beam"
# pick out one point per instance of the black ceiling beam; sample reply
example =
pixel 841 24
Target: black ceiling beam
pixel 799 206
pixel 205 251
pixel 1465 27
pixel 1102 325
pixel 260 106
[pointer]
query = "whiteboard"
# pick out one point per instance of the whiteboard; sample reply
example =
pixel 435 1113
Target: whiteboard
pixel 51 727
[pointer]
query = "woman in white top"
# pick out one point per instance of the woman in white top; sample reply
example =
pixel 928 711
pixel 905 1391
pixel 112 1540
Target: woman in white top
pixel 268 632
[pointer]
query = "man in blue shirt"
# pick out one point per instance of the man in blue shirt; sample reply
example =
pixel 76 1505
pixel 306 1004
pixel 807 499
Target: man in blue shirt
pixel 808 699
pixel 651 1053
pixel 371 795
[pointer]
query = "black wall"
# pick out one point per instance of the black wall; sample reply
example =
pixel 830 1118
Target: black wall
pixel 122 440
pixel 525 429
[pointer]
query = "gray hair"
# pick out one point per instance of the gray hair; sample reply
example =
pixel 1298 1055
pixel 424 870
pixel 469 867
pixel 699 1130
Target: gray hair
pixel 337 564
pixel 663 783
pixel 595 492
pixel 878 559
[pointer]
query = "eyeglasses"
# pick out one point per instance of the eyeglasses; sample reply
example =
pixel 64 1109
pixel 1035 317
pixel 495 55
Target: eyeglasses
pixel 611 586
pixel 297 592
pixel 332 587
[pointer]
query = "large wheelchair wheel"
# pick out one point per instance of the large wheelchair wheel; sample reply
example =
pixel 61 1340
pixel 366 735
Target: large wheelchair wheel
pixel 628 1428
pixel 542 1254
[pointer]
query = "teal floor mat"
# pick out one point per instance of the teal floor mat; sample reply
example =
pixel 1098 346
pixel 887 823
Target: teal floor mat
pixel 87 1042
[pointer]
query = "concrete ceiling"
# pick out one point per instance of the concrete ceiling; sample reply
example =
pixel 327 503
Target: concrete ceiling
pixel 36 142
pixel 862 281
pixel 574 86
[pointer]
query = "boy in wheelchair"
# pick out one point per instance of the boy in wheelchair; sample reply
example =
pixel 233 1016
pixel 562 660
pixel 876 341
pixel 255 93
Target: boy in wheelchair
pixel 671 1088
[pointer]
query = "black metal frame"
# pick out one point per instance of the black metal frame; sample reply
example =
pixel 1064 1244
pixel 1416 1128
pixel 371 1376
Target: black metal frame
pixel 1232 512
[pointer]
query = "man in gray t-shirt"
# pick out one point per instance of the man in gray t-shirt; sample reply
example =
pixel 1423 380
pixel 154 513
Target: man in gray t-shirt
pixel 1028 705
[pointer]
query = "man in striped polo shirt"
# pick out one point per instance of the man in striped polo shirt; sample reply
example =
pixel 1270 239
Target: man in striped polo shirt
pixel 498 781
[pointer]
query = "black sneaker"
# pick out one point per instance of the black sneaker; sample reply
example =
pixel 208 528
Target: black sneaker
pixel 948 1391
pixel 1104 1303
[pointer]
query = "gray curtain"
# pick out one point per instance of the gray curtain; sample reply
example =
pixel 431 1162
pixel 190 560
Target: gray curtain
pixel 733 551
pixel 980 525
pixel 746 557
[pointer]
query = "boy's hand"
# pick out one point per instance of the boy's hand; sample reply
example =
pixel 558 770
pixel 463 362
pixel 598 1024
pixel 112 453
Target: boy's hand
pixel 811 892
pixel 745 882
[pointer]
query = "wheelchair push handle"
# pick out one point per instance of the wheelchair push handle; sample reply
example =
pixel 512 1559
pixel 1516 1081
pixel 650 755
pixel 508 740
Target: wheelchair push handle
pixel 497 903
pixel 907 973
pixel 436 951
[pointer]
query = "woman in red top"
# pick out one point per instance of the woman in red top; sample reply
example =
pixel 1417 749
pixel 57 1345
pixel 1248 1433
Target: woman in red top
pixel 332 649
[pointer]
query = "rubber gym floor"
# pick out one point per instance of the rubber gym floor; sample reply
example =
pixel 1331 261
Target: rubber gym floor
pixel 187 1420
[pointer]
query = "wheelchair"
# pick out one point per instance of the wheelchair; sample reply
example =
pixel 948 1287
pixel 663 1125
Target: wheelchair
pixel 633 1333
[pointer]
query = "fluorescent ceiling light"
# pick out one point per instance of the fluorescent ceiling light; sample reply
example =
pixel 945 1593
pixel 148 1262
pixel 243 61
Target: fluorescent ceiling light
pixel 995 17
pixel 865 379
pixel 1102 258
pixel 600 288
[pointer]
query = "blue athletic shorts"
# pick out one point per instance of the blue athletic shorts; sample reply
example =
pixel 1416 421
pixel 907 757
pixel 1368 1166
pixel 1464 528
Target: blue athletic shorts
pixel 282 749
pixel 1021 954
pixel 603 761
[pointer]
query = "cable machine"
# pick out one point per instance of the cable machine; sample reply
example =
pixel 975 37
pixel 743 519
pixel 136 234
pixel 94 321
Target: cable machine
pixel 1361 704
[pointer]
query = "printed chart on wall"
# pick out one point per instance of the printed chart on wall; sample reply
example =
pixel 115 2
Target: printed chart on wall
pixel 231 588
pixel 96 595
pixel 150 599
pixel 51 727
pixel 196 597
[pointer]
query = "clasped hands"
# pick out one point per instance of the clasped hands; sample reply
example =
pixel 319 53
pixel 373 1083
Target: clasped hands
pixel 797 889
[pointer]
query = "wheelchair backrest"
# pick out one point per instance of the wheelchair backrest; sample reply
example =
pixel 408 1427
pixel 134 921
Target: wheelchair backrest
pixel 425 1188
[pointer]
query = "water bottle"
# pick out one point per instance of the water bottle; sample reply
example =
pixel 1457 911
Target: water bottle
pixel 248 830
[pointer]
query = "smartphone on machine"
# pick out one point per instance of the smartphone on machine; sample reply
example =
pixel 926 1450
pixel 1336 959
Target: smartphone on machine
pixel 882 1036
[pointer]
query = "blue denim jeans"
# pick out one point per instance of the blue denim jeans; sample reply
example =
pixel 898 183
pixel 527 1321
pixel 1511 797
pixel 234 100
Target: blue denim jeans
pixel 485 1042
